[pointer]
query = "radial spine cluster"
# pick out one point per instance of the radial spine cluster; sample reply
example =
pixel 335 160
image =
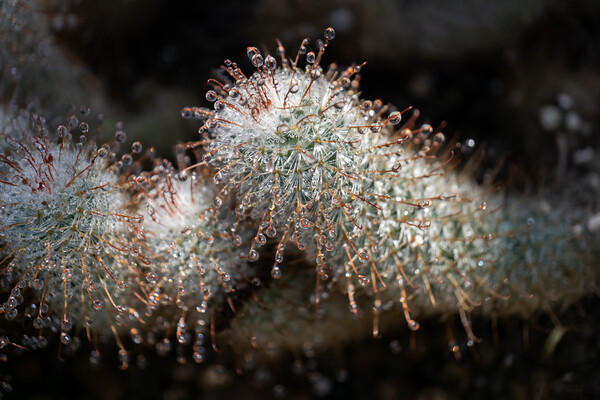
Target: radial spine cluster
pixel 194 266
pixel 293 145
pixel 374 203
pixel 66 230
pixel 290 161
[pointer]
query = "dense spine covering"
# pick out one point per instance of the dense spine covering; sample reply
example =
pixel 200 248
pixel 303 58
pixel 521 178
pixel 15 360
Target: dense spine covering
pixel 379 209
pixel 68 248
pixel 295 146
pixel 296 158
pixel 194 267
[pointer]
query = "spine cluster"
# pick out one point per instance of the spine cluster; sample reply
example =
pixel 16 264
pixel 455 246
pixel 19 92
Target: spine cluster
pixel 289 158
pixel 66 223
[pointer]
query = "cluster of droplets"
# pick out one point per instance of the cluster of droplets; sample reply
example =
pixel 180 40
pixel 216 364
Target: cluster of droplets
pixel 69 255
pixel 372 201
pixel 195 266
pixel 311 162
pixel 289 157
pixel 291 143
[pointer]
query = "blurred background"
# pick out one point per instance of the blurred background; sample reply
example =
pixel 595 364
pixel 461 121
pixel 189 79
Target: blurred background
pixel 519 77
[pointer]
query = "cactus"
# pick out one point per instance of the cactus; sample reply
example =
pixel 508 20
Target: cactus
pixel 379 209
pixel 291 158
pixel 65 229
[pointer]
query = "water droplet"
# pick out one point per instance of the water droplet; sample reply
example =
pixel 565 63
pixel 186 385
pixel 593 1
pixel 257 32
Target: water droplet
pixel 395 118
pixel 468 146
pixel 453 347
pixel 123 357
pixel 84 128
pixel 220 106
pixel 530 221
pixel 30 311
pixel 483 206
pixel 73 121
pixel 339 104
pixel 439 138
pixel 329 33
pixel 257 60
pixel 261 239
pixel 426 129
pixel 218 178
pixel 321 259
pixel 310 57
pixel 211 96
pixel 67 324
pixel 251 52
pixel 363 280
pixel 188 112
pixel 94 357
pixel 212 123
pixel 271 231
pixel 127 160
pixel 152 277
pixel 202 307
pixel 65 338
pixel 136 337
pixel 38 323
pixel 98 305
pixel 270 62
pixel 276 272
pixel 61 131
pixel 12 314
pixel 136 147
pixel 345 83
pixel 84 110
pixel 199 356
pixel 253 255
pixel 120 136
pixel 413 325
pixel 424 225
